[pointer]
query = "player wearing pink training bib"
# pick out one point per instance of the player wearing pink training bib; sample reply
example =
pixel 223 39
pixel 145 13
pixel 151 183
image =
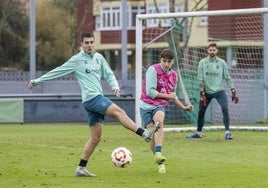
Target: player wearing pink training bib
pixel 158 89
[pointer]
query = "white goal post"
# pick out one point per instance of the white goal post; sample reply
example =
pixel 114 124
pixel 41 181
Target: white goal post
pixel 242 40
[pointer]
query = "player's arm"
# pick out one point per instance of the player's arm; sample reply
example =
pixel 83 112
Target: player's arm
pixel 151 85
pixel 109 76
pixel 182 106
pixel 203 100
pixel 171 96
pixel 228 79
pixel 227 76
pixel 179 104
pixel 200 77
pixel 62 70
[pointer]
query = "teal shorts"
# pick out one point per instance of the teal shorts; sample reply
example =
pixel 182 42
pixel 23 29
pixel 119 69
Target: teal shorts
pixel 96 109
pixel 147 115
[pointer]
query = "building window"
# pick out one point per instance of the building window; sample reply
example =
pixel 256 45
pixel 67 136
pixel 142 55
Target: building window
pixel 178 7
pixel 152 9
pixel 132 13
pixel 97 23
pixel 162 8
pixel 110 18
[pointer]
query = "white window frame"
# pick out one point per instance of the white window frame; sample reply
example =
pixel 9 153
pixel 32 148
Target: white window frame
pixel 163 8
pixel 132 12
pixel 110 18
pixel 151 9
pixel 179 7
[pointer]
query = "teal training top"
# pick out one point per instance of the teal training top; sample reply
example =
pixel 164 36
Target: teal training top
pixel 211 75
pixel 88 71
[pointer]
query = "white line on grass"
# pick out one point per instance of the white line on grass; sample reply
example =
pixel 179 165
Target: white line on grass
pixel 210 128
pixel 35 145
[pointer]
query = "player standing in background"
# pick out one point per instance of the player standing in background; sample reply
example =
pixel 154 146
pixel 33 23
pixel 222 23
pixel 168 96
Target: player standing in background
pixel 158 89
pixel 89 66
pixel 212 71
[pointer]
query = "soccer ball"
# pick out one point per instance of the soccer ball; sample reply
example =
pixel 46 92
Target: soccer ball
pixel 121 157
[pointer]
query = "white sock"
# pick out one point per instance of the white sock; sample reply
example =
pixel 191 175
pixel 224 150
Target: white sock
pixel 145 133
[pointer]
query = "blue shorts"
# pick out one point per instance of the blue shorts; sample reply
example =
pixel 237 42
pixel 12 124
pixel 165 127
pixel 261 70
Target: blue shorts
pixel 147 115
pixel 96 109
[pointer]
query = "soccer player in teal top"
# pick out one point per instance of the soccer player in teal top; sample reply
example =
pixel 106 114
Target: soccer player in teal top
pixel 89 66
pixel 212 71
pixel 158 89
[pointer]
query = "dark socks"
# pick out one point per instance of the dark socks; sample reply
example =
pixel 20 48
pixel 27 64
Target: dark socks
pixel 158 148
pixel 83 163
pixel 140 131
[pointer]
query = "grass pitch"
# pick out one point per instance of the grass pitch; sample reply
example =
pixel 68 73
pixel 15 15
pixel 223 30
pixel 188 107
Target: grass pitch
pixel 46 155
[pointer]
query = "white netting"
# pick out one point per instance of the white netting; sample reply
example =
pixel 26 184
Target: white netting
pixel 240 41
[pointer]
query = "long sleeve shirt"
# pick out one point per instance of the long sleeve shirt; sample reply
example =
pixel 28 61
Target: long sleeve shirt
pixel 211 75
pixel 88 71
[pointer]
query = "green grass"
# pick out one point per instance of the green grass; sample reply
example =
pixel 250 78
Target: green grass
pixel 46 155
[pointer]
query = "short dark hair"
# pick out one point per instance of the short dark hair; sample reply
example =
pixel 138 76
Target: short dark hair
pixel 167 54
pixel 212 45
pixel 86 35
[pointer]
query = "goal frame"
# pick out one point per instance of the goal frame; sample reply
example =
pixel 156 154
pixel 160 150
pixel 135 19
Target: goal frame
pixel 139 47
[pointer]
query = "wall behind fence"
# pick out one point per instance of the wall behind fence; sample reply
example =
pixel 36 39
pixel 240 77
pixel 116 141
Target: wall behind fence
pixel 65 110
pixel 65 104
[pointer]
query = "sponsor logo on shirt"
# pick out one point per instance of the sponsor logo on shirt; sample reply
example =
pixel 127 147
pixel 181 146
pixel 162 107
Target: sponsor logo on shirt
pixel 212 73
pixel 87 71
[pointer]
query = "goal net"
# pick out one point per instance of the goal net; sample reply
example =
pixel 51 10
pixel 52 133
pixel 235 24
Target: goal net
pixel 239 35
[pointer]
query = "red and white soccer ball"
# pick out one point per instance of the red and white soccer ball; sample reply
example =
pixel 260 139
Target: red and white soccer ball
pixel 121 157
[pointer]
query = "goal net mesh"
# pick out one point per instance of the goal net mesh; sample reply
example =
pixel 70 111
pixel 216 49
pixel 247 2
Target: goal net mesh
pixel 240 41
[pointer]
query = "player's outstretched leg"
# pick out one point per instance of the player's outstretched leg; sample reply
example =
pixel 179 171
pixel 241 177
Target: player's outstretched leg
pixel 149 134
pixel 82 171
